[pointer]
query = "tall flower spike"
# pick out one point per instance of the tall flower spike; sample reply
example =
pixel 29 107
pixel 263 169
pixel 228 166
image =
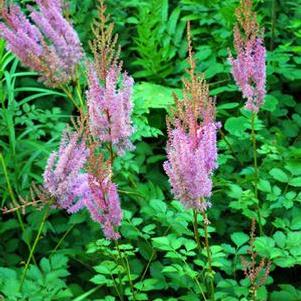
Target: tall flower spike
pixel 63 176
pixel 110 108
pixel 104 204
pixel 49 45
pixel 191 147
pixel 249 68
pixel 109 93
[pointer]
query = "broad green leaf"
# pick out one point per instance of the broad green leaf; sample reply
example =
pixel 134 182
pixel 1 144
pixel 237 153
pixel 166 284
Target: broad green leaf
pixel 264 246
pixel 236 125
pixel 296 182
pixel 264 185
pixel 239 238
pixel 279 175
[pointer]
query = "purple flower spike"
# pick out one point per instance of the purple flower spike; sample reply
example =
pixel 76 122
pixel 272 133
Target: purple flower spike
pixel 110 108
pixel 191 162
pixel 249 67
pixel 191 147
pixel 49 45
pixel 186 169
pixel 63 178
pixel 104 206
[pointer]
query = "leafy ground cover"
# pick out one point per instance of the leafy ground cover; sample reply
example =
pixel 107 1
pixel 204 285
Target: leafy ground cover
pixel 48 254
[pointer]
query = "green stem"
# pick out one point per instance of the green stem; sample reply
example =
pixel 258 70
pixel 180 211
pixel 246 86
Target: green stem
pixel 149 261
pixel 15 203
pixel 253 293
pixel 126 266
pixel 62 239
pixel 194 278
pixel 116 288
pixel 34 247
pixel 273 24
pixel 209 257
pixel 79 95
pixel 130 193
pixel 70 97
pixel 253 134
pixel 195 229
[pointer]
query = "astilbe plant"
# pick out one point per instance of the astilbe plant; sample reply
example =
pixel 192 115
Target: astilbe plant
pixel 249 72
pixel 47 44
pixel 192 151
pixel 249 68
pixel 191 147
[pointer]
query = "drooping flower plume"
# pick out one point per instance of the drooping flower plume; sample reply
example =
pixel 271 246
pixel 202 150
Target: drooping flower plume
pixel 104 204
pixel 47 44
pixel 64 178
pixel 249 67
pixel 191 146
pixel 76 177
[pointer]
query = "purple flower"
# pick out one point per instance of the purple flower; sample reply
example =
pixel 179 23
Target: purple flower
pixel 104 205
pixel 249 72
pixel 186 170
pixel 63 176
pixel 249 67
pixel 74 188
pixel 50 46
pixel 110 108
pixel 191 147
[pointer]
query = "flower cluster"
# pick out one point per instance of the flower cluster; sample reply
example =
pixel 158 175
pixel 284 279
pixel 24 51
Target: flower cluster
pixel 110 108
pixel 74 189
pixel 104 204
pixel 248 68
pixel 48 44
pixel 191 147
pixel 63 177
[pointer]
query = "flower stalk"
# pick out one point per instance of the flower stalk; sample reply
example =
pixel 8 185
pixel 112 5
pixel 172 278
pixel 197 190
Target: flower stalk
pixel 209 255
pixel 125 263
pixel 34 247
pixel 195 229
pixel 256 170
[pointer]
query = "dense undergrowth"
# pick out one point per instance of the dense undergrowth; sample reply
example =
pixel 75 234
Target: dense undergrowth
pixel 157 257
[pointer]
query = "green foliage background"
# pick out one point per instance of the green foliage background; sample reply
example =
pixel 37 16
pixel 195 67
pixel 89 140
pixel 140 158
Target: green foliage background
pixel 72 261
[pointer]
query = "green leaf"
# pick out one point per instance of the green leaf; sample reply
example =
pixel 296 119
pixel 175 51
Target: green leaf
pixel 58 261
pixel 99 279
pixel 161 243
pixel 264 246
pixel 294 166
pixel 279 175
pixel 228 106
pixel 270 103
pixel 236 125
pixel 147 95
pixel 239 238
pixel 280 239
pixel 296 182
pixel 264 185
